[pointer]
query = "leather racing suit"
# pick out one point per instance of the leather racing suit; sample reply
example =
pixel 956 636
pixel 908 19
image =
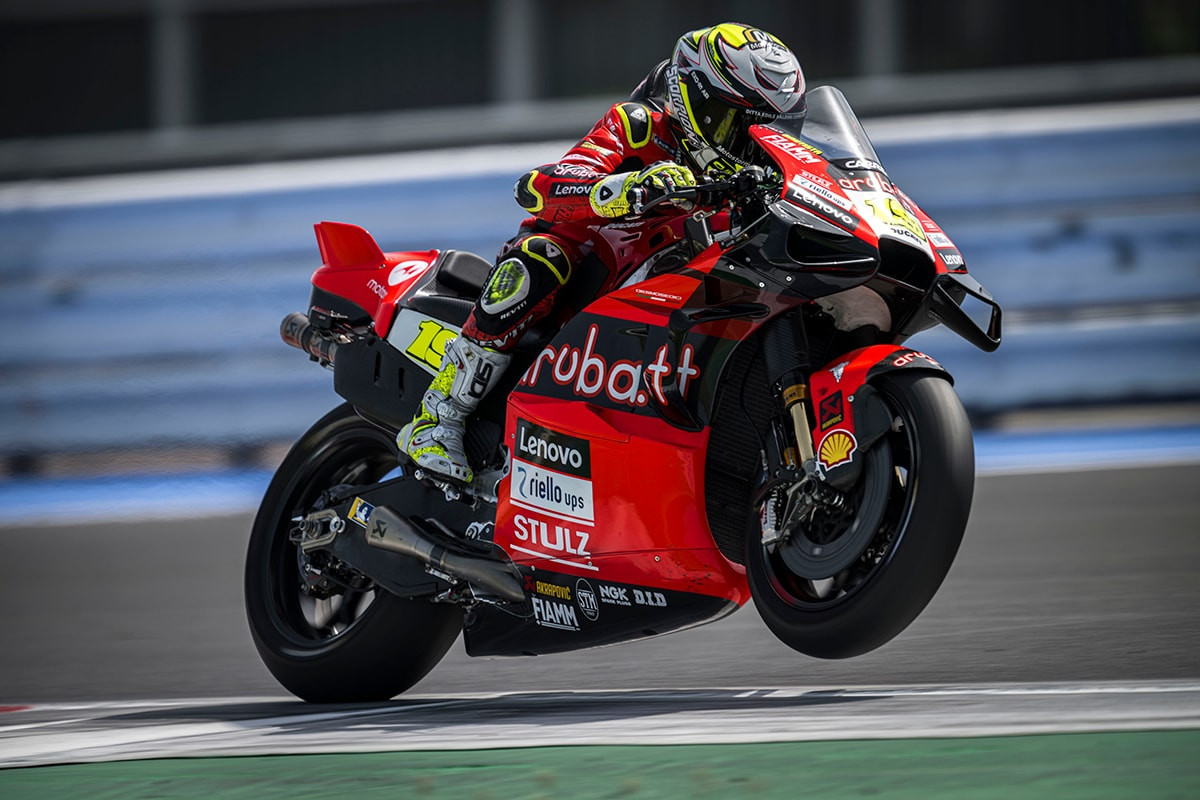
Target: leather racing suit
pixel 534 267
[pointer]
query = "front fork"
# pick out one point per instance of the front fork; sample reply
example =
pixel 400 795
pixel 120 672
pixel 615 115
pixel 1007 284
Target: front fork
pixel 795 402
pixel 786 356
pixel 796 487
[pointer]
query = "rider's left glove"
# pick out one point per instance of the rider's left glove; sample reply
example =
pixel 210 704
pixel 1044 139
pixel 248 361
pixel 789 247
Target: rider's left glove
pixel 626 192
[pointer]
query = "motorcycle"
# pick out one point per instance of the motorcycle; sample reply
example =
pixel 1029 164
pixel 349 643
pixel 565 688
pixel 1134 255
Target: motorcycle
pixel 736 419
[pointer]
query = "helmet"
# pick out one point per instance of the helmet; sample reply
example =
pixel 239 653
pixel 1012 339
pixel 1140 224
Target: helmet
pixel 721 81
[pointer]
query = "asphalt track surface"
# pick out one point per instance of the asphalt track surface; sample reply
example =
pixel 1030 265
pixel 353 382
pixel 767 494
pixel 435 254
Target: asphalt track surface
pixel 1073 608
pixel 1063 576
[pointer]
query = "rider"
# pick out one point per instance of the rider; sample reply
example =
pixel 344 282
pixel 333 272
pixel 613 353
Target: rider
pixel 689 117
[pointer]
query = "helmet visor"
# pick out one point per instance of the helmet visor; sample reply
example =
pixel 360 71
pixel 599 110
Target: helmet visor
pixel 726 128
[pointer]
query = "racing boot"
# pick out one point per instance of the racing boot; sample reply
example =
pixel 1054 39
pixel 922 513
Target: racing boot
pixel 434 438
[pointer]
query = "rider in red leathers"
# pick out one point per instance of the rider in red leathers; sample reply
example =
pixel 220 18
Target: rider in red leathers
pixel 689 117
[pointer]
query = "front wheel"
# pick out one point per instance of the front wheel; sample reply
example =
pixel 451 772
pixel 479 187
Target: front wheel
pixel 889 555
pixel 358 644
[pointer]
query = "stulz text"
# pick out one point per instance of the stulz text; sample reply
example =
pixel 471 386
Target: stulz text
pixel 551 537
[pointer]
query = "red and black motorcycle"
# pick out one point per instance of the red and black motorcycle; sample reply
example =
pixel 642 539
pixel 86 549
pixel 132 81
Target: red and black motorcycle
pixel 738 419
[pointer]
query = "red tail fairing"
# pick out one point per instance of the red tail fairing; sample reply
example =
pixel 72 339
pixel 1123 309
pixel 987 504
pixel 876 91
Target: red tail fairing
pixel 356 269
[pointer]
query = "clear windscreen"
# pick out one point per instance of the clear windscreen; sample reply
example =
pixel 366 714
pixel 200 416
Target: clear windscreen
pixel 830 125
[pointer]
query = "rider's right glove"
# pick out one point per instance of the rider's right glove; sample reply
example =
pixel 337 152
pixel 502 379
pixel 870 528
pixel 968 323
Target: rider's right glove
pixel 626 192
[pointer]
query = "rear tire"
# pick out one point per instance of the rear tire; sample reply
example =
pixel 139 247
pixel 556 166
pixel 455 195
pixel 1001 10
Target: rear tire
pixel 928 481
pixel 357 646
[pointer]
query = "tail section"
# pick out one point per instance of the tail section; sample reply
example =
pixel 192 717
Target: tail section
pixel 345 246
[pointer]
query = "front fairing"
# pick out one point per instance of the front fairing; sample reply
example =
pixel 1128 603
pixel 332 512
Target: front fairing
pixel 840 221
pixel 833 177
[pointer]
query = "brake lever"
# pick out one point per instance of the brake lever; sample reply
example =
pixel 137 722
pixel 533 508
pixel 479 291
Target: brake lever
pixel 705 194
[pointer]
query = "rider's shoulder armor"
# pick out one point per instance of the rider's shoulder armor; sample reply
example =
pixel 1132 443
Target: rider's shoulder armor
pixel 637 124
pixel 637 113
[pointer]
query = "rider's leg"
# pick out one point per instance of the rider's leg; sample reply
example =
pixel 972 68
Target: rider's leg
pixel 434 438
pixel 519 291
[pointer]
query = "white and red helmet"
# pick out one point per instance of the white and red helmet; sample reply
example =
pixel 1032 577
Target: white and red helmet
pixel 721 81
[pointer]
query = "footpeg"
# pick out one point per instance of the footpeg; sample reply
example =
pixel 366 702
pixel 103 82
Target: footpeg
pixel 388 530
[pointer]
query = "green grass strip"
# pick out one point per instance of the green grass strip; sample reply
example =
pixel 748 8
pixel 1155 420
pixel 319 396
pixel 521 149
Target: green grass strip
pixel 1145 764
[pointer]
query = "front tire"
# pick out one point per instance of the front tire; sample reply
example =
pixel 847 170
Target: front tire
pixel 924 471
pixel 361 645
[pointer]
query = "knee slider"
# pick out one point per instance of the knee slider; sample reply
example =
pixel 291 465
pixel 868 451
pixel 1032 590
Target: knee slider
pixel 507 286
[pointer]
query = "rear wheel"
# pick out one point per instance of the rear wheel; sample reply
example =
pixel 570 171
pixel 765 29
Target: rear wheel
pixel 851 581
pixel 356 644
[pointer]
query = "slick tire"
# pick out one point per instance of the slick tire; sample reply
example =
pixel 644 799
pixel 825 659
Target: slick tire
pixel 355 647
pixel 930 478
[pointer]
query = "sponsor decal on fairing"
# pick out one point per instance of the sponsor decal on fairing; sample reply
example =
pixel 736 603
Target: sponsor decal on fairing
pixel 585 598
pixel 553 614
pixel 836 448
pixel 830 411
pixel 360 511
pixel 801 151
pixel 585 373
pixel 614 595
pixel 647 597
pixel 853 164
pixel 952 258
pixel 547 589
pixel 551 536
pixel 801 183
pixel 868 183
pixel 551 474
pixel 406 271
pixel 802 197
pixel 628 596
pixel 659 297
pixel 908 357
pixel 422 339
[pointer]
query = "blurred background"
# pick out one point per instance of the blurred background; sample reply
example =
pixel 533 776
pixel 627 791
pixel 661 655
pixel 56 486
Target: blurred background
pixel 96 85
pixel 162 162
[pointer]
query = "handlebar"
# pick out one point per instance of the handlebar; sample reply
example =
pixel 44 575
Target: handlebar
pixel 713 193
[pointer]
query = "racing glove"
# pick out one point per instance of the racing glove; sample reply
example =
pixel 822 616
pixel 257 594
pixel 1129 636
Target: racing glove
pixel 625 192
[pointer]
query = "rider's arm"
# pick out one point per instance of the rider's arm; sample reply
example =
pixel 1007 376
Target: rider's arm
pixel 615 153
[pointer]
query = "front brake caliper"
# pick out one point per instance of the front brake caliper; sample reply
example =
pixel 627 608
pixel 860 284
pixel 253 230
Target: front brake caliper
pixel 790 506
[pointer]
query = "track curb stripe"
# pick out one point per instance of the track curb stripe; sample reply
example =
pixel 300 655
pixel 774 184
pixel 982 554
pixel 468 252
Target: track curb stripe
pixel 100 732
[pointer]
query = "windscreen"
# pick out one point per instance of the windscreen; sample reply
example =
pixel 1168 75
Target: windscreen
pixel 830 125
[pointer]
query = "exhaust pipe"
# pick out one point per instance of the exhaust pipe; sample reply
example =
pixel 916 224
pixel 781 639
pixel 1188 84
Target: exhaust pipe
pixel 297 331
pixel 390 531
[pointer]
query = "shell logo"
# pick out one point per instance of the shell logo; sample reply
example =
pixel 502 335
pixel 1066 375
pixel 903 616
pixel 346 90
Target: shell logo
pixel 836 448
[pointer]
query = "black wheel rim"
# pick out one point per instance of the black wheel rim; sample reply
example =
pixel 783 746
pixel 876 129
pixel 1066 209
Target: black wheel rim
pixel 891 462
pixel 353 454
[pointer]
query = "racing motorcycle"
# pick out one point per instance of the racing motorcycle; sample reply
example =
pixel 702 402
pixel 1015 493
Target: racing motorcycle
pixel 737 419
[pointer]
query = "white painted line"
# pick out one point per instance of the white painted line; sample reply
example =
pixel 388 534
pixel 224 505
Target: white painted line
pixel 650 717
